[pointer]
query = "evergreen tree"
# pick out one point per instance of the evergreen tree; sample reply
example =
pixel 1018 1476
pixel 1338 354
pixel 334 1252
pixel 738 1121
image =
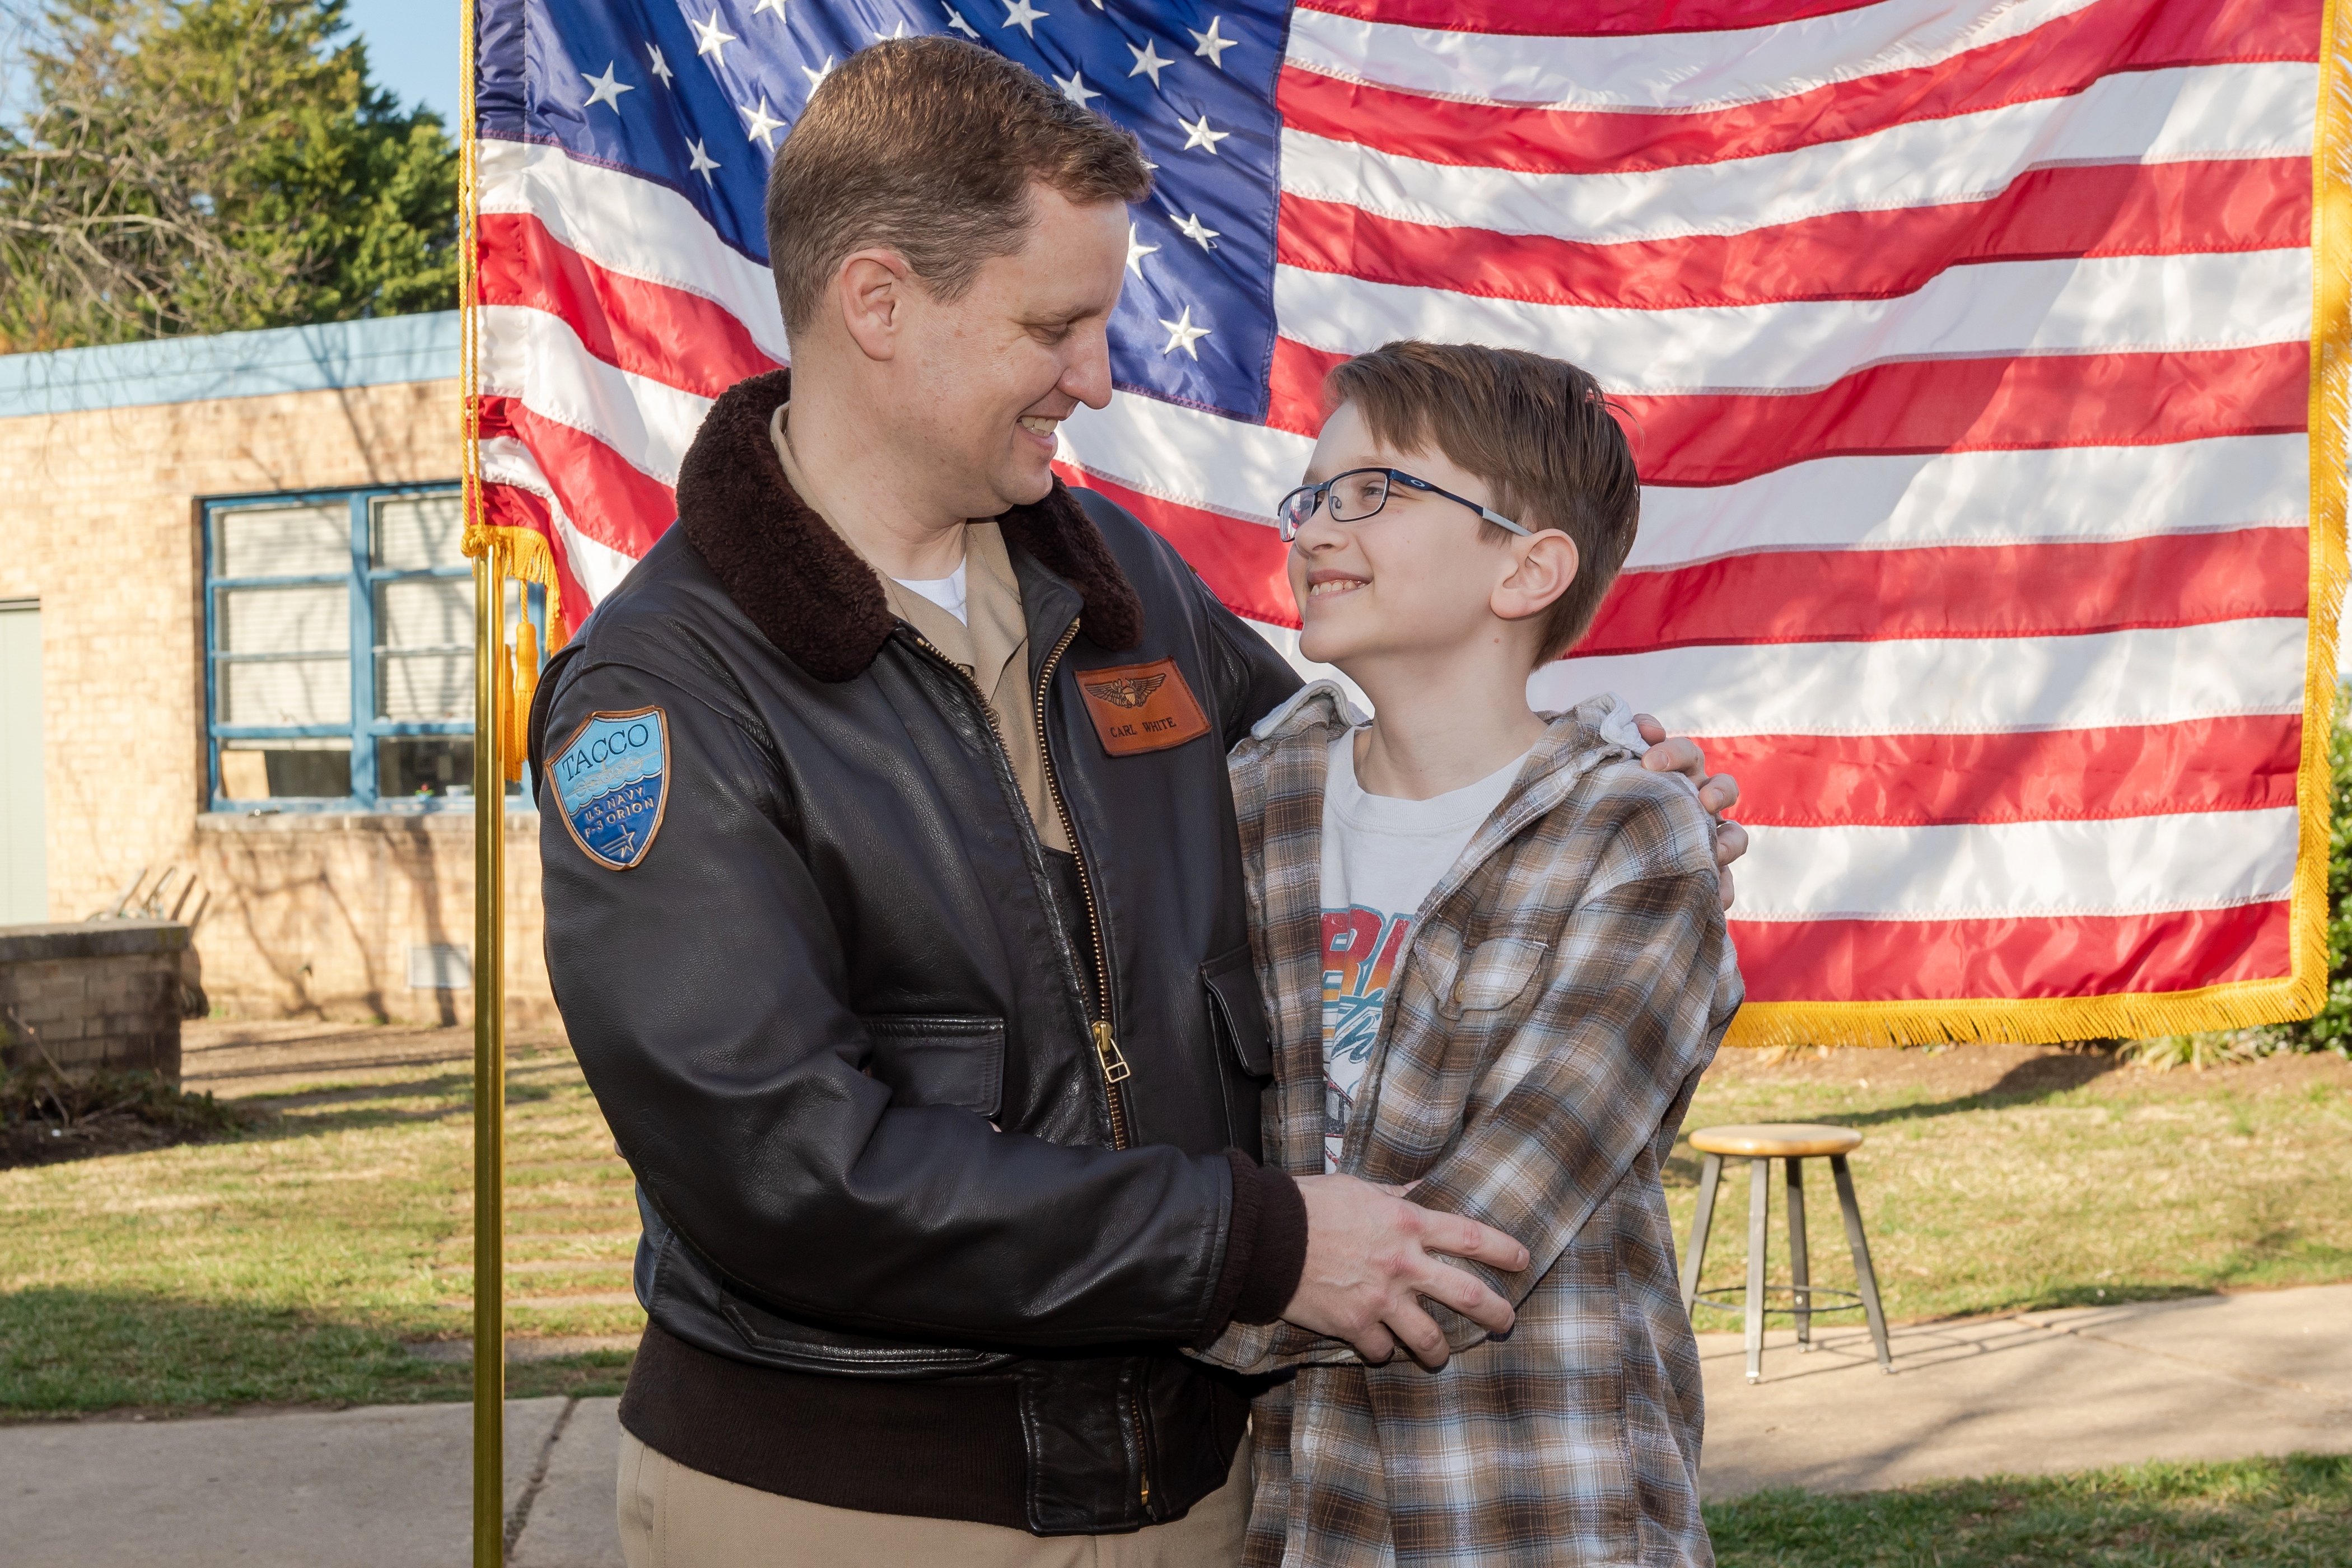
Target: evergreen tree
pixel 212 165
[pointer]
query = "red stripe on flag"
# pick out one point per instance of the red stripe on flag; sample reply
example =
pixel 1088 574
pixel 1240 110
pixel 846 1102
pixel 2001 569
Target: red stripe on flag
pixel 606 499
pixel 1958 590
pixel 647 329
pixel 2058 60
pixel 2244 763
pixel 1585 18
pixel 1988 404
pixel 1951 960
pixel 1244 564
pixel 2111 209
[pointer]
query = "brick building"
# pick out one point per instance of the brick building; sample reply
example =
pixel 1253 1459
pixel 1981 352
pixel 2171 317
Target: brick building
pixel 236 646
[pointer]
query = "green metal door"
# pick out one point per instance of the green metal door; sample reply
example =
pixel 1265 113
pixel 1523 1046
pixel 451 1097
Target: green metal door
pixel 24 857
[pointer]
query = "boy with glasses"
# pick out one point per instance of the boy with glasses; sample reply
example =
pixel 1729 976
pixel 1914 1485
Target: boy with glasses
pixel 1497 965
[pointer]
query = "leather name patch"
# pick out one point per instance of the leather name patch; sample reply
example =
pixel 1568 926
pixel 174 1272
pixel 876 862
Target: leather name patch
pixel 1142 707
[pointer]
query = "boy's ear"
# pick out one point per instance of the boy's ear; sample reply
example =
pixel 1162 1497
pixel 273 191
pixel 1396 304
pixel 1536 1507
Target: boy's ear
pixel 1547 564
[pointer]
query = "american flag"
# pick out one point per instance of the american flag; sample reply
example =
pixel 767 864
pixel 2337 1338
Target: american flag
pixel 1968 347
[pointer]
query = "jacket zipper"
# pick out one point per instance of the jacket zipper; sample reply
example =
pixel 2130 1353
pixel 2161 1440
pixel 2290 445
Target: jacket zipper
pixel 1142 1454
pixel 1115 1069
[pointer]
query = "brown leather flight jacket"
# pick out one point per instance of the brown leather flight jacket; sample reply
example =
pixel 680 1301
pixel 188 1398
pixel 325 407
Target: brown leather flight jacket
pixel 909 1098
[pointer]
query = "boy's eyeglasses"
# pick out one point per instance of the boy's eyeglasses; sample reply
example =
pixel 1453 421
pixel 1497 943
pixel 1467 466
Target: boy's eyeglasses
pixel 1359 493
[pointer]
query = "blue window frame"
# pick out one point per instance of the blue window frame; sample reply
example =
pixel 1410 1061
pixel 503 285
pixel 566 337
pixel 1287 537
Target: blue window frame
pixel 338 637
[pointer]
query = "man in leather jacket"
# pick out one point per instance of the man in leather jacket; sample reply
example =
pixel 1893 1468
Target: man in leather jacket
pixel 895 908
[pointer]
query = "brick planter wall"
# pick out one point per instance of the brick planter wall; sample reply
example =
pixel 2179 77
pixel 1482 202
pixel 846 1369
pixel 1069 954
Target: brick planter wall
pixel 99 994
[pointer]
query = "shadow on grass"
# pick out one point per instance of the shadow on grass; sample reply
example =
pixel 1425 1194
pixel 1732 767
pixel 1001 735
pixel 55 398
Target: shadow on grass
pixel 67 1353
pixel 2254 1513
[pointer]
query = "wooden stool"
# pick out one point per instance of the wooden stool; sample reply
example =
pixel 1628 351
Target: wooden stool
pixel 1792 1142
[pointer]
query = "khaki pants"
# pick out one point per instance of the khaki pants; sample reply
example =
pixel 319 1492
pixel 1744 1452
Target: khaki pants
pixel 672 1517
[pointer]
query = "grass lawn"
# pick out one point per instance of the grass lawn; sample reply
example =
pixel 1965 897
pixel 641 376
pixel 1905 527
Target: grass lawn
pixel 2002 1178
pixel 290 1265
pixel 294 1264
pixel 2295 1512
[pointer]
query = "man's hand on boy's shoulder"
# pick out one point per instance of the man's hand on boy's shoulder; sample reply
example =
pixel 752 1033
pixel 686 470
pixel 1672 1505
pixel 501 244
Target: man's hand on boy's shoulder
pixel 1716 792
pixel 1371 1257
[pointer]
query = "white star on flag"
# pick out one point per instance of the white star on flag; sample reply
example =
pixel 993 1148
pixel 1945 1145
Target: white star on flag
pixel 609 88
pixel 764 125
pixel 1183 334
pixel 956 24
pixel 1021 14
pixel 816 74
pixel 1148 62
pixel 703 162
pixel 1136 251
pixel 1193 228
pixel 1200 135
pixel 897 32
pixel 709 38
pixel 775 5
pixel 1076 88
pixel 1211 45
pixel 660 65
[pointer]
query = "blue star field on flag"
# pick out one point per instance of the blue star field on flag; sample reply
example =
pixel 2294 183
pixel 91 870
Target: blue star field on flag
pixel 698 97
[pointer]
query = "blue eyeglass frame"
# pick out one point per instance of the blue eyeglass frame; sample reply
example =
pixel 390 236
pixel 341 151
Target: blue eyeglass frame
pixel 1289 528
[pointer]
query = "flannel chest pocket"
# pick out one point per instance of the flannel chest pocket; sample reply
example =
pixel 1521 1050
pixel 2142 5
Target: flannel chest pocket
pixel 1495 972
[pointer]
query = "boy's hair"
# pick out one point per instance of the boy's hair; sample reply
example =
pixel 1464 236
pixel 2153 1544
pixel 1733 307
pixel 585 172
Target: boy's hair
pixel 1538 430
pixel 928 146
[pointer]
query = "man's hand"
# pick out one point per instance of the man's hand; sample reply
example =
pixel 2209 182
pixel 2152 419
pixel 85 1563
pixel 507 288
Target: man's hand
pixel 1718 793
pixel 1369 1263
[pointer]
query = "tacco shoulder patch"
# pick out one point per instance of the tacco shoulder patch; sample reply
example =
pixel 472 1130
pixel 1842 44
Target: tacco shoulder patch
pixel 612 779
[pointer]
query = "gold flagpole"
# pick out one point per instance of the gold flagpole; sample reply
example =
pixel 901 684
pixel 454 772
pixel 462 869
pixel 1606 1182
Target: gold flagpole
pixel 491 676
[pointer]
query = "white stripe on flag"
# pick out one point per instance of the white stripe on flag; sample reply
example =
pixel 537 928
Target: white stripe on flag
pixel 1951 686
pixel 1186 455
pixel 2097 304
pixel 2131 865
pixel 2154 117
pixel 631 225
pixel 1659 71
pixel 538 358
pixel 2064 494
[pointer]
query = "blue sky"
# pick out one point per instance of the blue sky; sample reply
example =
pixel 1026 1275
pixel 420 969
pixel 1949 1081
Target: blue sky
pixel 412 49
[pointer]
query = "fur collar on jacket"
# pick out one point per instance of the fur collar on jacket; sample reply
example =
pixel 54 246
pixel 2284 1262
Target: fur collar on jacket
pixel 801 585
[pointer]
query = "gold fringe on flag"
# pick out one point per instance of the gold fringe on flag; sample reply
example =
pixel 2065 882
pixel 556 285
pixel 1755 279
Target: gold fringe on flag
pixel 2239 1004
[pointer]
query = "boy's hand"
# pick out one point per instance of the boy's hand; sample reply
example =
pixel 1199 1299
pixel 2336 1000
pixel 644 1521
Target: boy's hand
pixel 1369 1263
pixel 1718 793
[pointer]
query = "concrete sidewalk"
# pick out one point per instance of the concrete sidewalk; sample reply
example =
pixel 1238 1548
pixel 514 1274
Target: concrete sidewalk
pixel 2214 1377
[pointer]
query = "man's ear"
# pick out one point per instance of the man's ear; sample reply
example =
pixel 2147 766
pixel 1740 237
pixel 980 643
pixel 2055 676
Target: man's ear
pixel 1547 564
pixel 872 287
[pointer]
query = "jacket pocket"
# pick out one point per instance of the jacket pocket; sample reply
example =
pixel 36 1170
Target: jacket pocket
pixel 949 1061
pixel 1495 974
pixel 1236 1012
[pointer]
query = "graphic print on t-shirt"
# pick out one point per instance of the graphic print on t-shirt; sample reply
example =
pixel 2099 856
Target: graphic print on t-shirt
pixel 1359 955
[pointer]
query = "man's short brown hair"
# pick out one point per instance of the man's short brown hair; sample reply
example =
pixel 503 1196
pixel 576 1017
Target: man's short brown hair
pixel 928 146
pixel 1538 430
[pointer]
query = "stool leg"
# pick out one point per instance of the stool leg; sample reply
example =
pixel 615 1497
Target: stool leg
pixel 1864 1275
pixel 1709 1176
pixel 1759 1203
pixel 1799 1267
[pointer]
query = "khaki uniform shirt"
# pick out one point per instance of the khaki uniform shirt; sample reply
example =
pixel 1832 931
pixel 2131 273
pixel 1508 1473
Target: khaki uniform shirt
pixel 990 645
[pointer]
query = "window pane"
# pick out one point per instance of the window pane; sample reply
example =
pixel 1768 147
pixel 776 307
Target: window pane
pixel 315 619
pixel 419 532
pixel 425 612
pixel 260 770
pixel 424 766
pixel 436 686
pixel 287 691
pixel 282 541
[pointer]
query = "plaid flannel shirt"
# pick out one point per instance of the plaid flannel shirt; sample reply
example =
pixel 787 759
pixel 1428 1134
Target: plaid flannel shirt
pixel 1564 986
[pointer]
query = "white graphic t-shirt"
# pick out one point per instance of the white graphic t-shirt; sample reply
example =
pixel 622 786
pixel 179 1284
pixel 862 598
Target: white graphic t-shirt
pixel 1381 857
